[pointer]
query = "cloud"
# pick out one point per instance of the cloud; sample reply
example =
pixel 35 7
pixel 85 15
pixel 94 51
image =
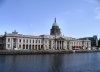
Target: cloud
pixel 97 11
pixel 34 33
pixel 1 33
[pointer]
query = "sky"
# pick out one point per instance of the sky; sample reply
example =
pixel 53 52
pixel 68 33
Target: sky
pixel 76 18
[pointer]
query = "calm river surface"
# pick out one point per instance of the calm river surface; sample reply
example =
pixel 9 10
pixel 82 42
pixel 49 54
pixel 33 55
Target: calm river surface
pixel 79 62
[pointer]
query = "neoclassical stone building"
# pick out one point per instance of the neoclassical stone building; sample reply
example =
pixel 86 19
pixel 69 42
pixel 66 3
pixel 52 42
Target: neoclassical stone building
pixel 53 41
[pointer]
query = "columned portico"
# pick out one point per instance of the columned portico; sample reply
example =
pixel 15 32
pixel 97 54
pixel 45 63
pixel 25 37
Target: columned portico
pixel 59 44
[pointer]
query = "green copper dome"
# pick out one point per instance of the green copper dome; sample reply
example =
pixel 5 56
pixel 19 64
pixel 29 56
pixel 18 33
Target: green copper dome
pixel 55 23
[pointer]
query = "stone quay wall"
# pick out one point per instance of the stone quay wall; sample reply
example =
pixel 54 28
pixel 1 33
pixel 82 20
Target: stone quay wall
pixel 29 52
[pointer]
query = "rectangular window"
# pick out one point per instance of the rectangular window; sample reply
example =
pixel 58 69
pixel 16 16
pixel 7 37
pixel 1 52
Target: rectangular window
pixel 39 41
pixel 36 41
pixel 24 41
pixel 20 40
pixel 14 40
pixel 33 41
pixel 45 41
pixel 50 42
pixel 19 46
pixel 30 41
pixel 79 43
pixel 23 47
pixel 8 40
pixel 27 41
pixel 8 45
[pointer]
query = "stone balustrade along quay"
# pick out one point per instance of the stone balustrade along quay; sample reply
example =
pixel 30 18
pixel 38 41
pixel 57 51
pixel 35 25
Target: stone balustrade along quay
pixel 29 52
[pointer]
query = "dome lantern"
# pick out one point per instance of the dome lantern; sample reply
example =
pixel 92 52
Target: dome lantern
pixel 55 23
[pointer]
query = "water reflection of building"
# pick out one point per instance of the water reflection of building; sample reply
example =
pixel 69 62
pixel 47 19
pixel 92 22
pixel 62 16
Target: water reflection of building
pixel 57 63
pixel 53 41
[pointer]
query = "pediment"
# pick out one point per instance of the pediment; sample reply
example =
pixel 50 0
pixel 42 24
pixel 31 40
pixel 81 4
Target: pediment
pixel 60 38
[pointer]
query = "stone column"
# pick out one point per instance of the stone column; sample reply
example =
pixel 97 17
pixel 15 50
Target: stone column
pixel 51 44
pixel 56 45
pixel 44 44
pixel 40 46
pixel 63 45
pixel 69 46
pixel 37 47
pixel 59 44
pixel 34 46
pixel 31 47
pixel 11 43
pixel 17 42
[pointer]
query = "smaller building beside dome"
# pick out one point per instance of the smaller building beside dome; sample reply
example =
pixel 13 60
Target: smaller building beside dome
pixel 94 40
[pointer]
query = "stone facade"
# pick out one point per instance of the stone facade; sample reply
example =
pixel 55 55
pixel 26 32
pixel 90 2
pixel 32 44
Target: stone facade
pixel 15 40
pixel 54 41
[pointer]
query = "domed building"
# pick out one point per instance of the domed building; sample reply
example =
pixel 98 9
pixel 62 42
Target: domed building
pixel 54 41
pixel 55 29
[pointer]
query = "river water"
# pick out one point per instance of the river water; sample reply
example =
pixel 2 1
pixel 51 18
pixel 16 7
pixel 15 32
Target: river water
pixel 77 62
